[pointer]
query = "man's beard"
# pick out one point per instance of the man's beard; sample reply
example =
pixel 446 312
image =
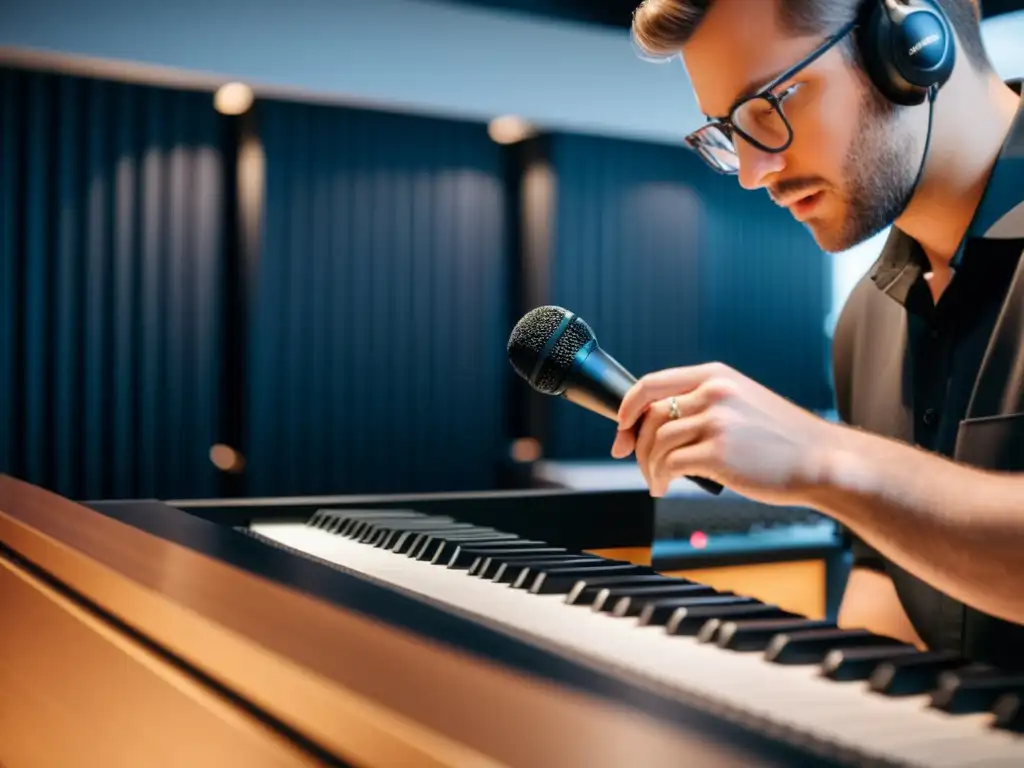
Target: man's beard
pixel 880 172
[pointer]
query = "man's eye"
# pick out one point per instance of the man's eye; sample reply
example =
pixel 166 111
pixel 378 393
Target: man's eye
pixel 788 91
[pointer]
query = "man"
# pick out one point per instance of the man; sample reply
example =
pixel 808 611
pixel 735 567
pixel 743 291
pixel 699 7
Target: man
pixel 927 472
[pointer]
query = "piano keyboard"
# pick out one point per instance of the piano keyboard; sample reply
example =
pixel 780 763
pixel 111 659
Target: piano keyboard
pixel 850 695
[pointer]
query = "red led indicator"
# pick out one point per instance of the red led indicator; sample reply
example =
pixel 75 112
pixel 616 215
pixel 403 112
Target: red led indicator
pixel 698 540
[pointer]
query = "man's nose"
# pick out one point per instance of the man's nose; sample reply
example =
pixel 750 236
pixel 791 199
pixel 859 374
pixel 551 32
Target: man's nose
pixel 756 166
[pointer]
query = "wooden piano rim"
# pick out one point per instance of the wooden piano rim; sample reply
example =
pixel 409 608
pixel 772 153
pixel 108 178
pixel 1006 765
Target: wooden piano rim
pixel 405 700
pixel 57 665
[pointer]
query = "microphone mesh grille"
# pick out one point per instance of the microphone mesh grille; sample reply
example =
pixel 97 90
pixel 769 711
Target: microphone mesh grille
pixel 556 367
pixel 529 337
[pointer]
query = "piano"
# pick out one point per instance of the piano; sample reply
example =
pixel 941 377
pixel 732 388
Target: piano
pixel 520 628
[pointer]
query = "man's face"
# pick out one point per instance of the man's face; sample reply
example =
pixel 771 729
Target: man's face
pixel 852 161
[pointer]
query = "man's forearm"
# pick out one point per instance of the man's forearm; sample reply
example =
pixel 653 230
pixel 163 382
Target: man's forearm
pixel 958 528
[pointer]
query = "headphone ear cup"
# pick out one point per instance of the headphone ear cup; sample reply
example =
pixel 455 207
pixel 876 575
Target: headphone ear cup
pixel 906 51
pixel 873 35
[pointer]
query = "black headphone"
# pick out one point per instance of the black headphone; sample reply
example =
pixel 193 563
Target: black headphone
pixel 907 48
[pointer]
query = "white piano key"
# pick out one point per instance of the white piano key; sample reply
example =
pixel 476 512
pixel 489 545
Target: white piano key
pixel 901 730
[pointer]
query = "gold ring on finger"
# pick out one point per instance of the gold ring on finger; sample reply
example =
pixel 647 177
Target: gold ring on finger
pixel 673 408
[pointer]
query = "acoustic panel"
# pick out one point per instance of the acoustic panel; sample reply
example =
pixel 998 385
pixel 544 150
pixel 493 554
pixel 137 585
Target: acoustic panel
pixel 378 324
pixel 110 255
pixel 626 258
pixel 766 291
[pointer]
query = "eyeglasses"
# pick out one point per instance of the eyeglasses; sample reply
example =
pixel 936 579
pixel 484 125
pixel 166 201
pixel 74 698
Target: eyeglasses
pixel 758 119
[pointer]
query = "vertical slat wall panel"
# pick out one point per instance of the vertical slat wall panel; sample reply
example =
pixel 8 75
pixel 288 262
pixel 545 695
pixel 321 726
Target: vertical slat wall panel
pixel 110 281
pixel 766 293
pixel 69 278
pixel 37 270
pixel 9 282
pixel 378 327
pixel 95 319
pixel 626 259
pixel 673 265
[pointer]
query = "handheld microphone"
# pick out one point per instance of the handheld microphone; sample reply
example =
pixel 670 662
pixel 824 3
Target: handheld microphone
pixel 557 353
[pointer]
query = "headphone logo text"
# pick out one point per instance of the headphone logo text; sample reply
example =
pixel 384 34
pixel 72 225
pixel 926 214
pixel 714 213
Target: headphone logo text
pixel 933 38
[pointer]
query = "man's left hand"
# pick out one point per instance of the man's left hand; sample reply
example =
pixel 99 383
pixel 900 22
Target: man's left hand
pixel 728 428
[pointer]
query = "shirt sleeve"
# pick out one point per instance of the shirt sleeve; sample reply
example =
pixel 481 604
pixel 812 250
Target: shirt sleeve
pixel 865 556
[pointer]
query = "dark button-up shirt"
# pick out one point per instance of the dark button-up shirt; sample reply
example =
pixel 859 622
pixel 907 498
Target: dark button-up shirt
pixel 928 380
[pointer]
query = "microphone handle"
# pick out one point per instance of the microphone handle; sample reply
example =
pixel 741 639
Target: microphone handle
pixel 598 382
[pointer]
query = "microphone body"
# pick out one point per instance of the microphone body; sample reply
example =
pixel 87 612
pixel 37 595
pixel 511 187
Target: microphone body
pixel 558 354
pixel 598 382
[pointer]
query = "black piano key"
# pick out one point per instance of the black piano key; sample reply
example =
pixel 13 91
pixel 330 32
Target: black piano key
pixel 710 630
pixel 658 612
pixel 321 518
pixel 558 581
pixel 491 568
pixel 691 620
pixel 508 570
pixel 914 674
pixel 409 542
pixel 383 535
pixel 326 520
pixel 584 591
pixel 333 516
pixel 423 543
pixel 443 556
pixel 417 538
pixel 593 566
pixel 340 521
pixel 428 546
pixel 755 634
pixel 1009 712
pixel 810 646
pixel 608 599
pixel 440 549
pixel 392 537
pixel 973 689
pixel 361 526
pixel 511 547
pixel 376 534
pixel 465 554
pixel 846 664
pixel 367 532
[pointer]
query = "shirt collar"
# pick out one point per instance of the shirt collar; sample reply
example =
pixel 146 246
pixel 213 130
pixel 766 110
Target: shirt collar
pixel 999 216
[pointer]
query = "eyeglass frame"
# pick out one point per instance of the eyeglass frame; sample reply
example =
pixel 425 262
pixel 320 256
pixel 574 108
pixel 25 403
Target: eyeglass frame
pixel 766 93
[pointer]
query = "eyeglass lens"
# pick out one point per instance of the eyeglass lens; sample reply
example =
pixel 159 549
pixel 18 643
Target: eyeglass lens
pixel 716 147
pixel 762 122
pixel 757 120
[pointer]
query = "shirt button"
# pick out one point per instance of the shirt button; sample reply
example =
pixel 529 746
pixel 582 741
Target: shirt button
pixel 930 416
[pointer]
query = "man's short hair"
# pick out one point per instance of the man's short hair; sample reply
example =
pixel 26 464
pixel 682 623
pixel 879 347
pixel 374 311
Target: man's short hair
pixel 662 27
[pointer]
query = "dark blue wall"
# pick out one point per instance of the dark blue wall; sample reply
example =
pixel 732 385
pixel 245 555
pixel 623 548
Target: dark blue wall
pixel 110 255
pixel 766 288
pixel 377 305
pixel 377 343
pixel 672 265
